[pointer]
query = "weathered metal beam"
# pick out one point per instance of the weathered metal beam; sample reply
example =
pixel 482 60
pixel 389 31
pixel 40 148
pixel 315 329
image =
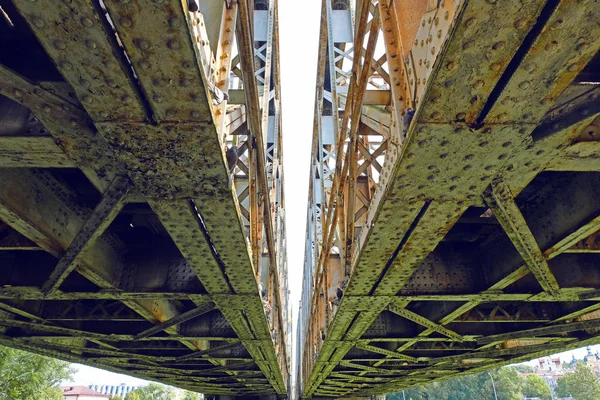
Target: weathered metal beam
pixel 113 200
pixel 35 293
pixel 201 353
pixel 389 353
pixel 68 124
pixel 502 203
pixel 411 316
pixel 32 152
pixel 179 319
pixel 556 329
pixel 12 240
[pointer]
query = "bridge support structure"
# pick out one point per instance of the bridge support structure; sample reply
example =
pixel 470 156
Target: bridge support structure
pixel 142 216
pixel 452 183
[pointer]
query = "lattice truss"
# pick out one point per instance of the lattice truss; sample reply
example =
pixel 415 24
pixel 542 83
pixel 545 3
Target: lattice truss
pixel 453 217
pixel 142 224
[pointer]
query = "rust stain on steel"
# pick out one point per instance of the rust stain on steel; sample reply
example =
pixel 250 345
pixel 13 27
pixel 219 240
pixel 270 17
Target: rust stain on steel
pixel 567 42
pixel 166 60
pixel 83 49
pixel 482 41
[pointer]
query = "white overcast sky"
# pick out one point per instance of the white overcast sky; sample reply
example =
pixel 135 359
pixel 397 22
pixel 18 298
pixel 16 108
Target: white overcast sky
pixel 298 46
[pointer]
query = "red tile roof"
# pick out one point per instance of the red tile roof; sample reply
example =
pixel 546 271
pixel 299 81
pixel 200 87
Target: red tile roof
pixel 82 390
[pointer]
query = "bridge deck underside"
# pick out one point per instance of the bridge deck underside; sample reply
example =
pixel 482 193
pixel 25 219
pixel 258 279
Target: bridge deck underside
pixel 481 246
pixel 122 244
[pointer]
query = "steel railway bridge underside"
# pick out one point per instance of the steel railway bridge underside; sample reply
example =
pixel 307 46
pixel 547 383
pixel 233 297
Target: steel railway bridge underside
pixel 454 210
pixel 142 225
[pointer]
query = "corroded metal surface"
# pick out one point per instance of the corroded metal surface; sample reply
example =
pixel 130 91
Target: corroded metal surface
pixel 124 241
pixel 480 231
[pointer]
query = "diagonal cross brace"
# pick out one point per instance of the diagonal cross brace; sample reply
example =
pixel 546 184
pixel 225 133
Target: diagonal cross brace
pixel 500 200
pixel 179 319
pixel 198 354
pixel 424 322
pixel 106 211
pixel 389 353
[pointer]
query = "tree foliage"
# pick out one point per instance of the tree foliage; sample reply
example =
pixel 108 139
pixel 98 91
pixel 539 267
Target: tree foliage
pixel 535 386
pixel 478 386
pixel 28 376
pixel 187 395
pixel 582 384
pixel 153 391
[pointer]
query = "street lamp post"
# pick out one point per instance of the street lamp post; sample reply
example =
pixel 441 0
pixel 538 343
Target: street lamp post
pixel 493 385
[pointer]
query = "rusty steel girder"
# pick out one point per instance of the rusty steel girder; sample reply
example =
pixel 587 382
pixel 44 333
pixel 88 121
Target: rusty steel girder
pixel 128 239
pixel 453 211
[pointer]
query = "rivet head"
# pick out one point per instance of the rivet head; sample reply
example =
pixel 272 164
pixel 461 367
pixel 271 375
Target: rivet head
pixel 572 68
pixel 38 22
pixel 90 44
pixel 529 66
pixel 195 114
pixel 124 21
pixel 84 83
pixel 104 114
pixel 174 22
pixel 111 83
pixel 524 84
pixel 581 46
pixel 144 64
pixel 59 44
pixel 553 45
pixel 87 99
pixel 521 23
pixel 173 44
pixel 436 99
pixel 66 65
pixel 498 45
pixel 435 115
pixel 87 22
pixel 470 22
pixel 461 116
pixel 143 44
pixel 495 66
pixel 126 100
pixel 17 93
pixel 450 65
pixel 478 83
pixel 157 98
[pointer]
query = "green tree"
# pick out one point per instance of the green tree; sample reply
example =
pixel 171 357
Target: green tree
pixel 187 395
pixel 524 368
pixel 582 383
pixel 468 387
pixel 561 387
pixel 28 376
pixel 116 397
pixel 508 383
pixel 153 391
pixel 535 386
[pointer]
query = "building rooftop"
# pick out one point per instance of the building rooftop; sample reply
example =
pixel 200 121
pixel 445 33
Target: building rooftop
pixel 81 390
